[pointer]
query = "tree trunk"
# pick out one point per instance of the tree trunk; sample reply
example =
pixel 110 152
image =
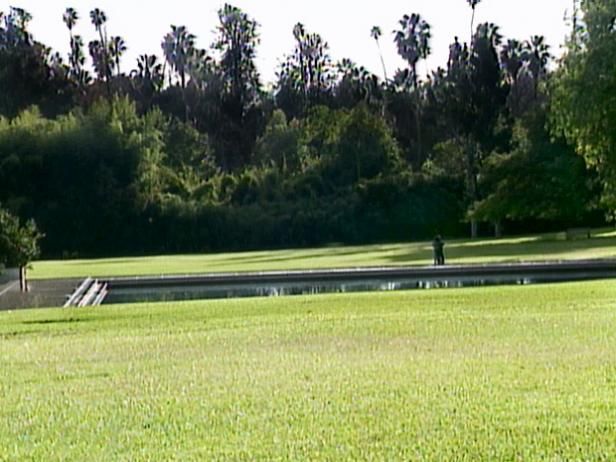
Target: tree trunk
pixel 23 282
pixel 474 228
pixel 498 229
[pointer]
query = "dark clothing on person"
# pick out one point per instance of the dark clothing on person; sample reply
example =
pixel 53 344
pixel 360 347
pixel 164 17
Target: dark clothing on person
pixel 439 254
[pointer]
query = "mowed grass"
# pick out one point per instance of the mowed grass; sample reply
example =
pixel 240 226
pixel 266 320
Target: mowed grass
pixel 530 248
pixel 503 373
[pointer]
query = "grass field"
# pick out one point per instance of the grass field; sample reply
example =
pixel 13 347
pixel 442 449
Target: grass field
pixel 530 248
pixel 504 373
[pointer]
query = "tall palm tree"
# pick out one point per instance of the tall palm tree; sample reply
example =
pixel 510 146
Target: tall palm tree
pixel 536 54
pixel 413 42
pixel 473 4
pixel 147 80
pixel 512 55
pixel 179 49
pixel 149 69
pixel 117 48
pixel 76 56
pixel 99 19
pixel 376 33
pixel 70 18
pixel 178 46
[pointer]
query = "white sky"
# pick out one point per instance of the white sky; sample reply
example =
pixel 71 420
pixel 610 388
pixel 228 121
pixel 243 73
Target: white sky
pixel 344 24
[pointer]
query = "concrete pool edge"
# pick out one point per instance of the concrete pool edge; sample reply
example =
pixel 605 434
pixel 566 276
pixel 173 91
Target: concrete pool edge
pixel 44 295
pixel 598 267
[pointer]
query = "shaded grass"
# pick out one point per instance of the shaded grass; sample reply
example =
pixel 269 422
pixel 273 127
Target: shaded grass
pixel 507 373
pixel 530 248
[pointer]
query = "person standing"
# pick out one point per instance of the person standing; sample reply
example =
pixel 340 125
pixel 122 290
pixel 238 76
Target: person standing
pixel 437 249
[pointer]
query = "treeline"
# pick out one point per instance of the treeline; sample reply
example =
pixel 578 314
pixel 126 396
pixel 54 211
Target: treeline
pixel 192 153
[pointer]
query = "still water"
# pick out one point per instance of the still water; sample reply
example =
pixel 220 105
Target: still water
pixel 176 293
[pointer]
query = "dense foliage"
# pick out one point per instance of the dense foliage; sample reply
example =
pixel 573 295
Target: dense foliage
pixel 191 153
pixel 585 93
pixel 18 241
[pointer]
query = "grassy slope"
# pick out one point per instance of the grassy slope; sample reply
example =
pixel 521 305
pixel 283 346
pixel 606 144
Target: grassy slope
pixel 507 373
pixel 534 248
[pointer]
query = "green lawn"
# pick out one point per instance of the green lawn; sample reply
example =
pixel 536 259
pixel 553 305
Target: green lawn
pixel 503 373
pixel 531 248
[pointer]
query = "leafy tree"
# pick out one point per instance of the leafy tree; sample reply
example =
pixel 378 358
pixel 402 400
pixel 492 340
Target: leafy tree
pixel 474 96
pixel 356 85
pixel 365 148
pixel 539 179
pixel 584 93
pixel 19 243
pixel 280 145
pixel 29 74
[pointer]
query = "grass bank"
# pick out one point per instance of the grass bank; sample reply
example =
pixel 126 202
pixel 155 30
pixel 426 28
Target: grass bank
pixel 530 248
pixel 503 373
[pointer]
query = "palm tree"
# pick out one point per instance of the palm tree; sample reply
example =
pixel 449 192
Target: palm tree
pixel 179 49
pixel 178 46
pixel 512 55
pixel 150 70
pixel 70 18
pixel 413 41
pixel 117 47
pixel 376 33
pixel 76 56
pixel 537 54
pixel 473 4
pixel 147 80
pixel 99 19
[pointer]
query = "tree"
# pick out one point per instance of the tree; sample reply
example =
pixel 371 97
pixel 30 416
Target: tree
pixel 413 42
pixel 473 4
pixel 376 33
pixel 237 42
pixel 280 144
pixel 305 78
pixel 147 81
pixel 29 73
pixel 356 85
pixel 583 94
pixel 473 96
pixel 541 178
pixel 178 46
pixel 117 47
pixel 19 244
pixel 179 50
pixel 76 56
pixel 99 49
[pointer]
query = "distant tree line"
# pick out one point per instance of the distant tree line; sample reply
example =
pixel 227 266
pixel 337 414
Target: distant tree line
pixel 190 152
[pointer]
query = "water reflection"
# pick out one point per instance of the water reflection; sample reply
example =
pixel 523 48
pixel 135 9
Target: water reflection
pixel 176 293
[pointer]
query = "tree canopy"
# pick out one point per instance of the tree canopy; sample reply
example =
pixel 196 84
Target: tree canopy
pixel 190 151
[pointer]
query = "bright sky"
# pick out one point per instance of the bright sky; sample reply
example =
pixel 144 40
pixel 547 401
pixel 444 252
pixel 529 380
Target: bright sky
pixel 344 24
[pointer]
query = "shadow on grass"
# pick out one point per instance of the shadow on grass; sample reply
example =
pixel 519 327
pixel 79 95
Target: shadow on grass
pixel 511 251
pixel 46 322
